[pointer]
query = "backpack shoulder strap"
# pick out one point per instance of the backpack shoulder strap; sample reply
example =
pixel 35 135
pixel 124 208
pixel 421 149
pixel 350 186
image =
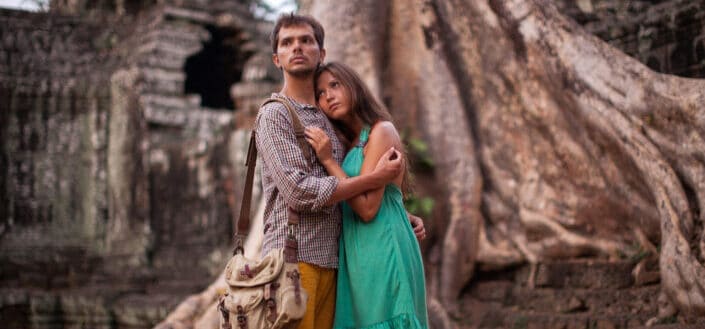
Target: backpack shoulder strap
pixel 299 129
pixel 243 223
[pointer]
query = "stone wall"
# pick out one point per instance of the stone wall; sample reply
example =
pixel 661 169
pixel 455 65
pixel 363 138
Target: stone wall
pixel 666 35
pixel 118 186
pixel 56 100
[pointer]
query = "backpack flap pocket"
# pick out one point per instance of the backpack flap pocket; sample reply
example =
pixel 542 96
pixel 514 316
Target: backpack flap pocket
pixel 243 309
pixel 291 298
pixel 245 298
pixel 244 272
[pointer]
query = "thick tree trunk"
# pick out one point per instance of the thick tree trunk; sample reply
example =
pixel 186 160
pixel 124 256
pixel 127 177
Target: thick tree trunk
pixel 548 143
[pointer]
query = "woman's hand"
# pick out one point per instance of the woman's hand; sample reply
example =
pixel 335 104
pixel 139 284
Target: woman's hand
pixel 320 142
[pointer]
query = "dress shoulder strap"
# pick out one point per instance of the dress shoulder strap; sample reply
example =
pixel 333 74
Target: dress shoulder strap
pixel 364 136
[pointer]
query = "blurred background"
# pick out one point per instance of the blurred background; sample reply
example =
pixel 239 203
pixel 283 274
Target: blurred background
pixel 557 150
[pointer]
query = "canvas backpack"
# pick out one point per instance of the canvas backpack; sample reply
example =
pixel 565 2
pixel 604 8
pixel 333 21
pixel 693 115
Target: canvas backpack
pixel 267 292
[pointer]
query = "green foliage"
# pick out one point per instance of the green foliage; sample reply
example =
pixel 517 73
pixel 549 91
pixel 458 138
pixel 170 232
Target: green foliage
pixel 520 323
pixel 634 253
pixel 418 152
pixel 421 206
pixel 639 256
pixel 420 160
pixel 648 119
pixel 668 320
pixel 105 41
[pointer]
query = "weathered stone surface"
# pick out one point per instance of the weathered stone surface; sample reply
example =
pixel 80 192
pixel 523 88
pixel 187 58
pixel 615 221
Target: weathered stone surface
pixel 575 274
pixel 666 35
pixel 564 306
pixel 128 231
pixel 118 187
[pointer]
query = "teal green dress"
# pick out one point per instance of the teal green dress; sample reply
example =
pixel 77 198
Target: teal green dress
pixel 381 276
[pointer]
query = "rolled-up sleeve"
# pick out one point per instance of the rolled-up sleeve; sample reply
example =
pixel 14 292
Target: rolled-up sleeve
pixel 285 162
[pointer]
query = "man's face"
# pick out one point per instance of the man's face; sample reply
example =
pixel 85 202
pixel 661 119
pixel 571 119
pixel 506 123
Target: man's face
pixel 297 50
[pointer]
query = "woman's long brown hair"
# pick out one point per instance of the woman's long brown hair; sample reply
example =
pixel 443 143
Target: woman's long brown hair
pixel 363 103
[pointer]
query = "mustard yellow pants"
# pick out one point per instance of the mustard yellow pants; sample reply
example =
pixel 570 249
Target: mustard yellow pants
pixel 320 284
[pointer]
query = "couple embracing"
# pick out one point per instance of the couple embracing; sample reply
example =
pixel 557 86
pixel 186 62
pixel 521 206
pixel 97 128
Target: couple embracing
pixel 370 275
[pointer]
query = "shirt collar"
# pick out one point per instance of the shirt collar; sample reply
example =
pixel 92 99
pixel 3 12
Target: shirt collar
pixel 297 104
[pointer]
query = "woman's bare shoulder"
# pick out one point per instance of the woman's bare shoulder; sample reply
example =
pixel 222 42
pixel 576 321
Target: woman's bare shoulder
pixel 384 129
pixel 383 135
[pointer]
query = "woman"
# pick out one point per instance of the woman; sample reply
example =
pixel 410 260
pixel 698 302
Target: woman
pixel 381 277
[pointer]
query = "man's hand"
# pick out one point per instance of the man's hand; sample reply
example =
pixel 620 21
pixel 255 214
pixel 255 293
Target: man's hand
pixel 417 225
pixel 389 165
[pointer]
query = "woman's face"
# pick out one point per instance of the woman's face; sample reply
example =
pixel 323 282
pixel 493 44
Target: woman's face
pixel 333 98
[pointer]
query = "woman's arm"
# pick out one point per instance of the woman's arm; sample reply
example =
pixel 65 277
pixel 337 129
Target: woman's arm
pixel 386 170
pixel 382 137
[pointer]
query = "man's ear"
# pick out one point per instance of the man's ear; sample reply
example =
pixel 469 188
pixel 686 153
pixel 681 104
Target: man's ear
pixel 323 55
pixel 275 60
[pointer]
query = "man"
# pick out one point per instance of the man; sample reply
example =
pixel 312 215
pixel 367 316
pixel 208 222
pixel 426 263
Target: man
pixel 290 180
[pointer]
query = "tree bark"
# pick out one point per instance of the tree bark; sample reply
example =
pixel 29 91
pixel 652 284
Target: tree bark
pixel 549 142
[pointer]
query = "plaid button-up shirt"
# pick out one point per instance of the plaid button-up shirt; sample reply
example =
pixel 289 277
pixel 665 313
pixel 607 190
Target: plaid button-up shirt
pixel 288 181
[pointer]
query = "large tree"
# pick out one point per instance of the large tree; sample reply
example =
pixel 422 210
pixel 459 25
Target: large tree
pixel 548 143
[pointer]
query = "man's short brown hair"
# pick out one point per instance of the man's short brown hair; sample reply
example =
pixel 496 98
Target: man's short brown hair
pixel 291 19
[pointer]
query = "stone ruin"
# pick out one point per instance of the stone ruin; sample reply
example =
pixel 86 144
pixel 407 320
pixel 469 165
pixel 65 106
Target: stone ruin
pixel 121 155
pixel 122 137
pixel 666 35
